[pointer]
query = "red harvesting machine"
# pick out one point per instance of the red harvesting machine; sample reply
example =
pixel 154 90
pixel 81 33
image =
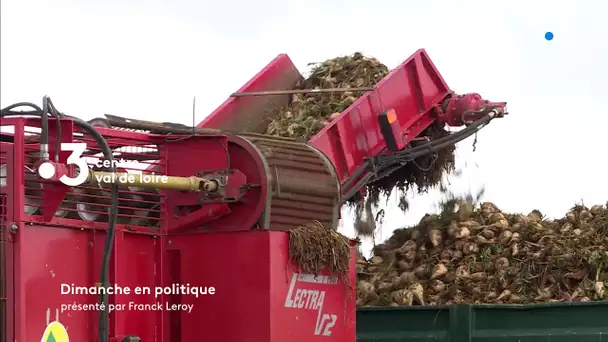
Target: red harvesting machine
pixel 202 214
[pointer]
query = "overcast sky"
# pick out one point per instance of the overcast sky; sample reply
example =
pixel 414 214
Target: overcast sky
pixel 147 59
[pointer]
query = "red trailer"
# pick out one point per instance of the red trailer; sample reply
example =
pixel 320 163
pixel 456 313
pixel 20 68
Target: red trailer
pixel 194 243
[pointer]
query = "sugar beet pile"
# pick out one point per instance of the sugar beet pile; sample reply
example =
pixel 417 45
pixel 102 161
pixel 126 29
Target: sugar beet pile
pixel 307 114
pixel 487 256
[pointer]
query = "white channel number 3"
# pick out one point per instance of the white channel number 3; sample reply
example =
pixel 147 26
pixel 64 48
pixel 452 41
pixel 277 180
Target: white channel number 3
pixel 47 170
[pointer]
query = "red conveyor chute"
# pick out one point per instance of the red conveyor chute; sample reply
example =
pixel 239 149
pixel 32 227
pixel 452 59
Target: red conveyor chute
pixel 414 90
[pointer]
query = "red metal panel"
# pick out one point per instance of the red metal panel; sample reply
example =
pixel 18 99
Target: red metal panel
pixel 250 273
pixel 55 256
pixel 134 266
pixel 308 308
pixel 249 114
pixel 412 90
pixel 51 256
pixel 238 266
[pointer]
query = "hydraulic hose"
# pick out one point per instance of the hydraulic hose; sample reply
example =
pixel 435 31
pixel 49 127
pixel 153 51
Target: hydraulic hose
pixel 42 113
pixel 385 161
pixel 104 315
pixel 55 113
pixel 430 147
pixel 49 108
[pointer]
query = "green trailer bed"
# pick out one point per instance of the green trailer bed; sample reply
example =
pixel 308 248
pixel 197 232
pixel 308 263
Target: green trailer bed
pixel 556 322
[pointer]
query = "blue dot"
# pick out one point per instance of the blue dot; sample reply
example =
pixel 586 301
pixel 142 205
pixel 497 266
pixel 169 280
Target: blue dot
pixel 549 36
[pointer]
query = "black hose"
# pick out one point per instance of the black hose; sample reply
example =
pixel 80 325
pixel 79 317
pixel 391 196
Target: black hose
pixel 44 134
pixel 430 147
pixel 55 113
pixel 9 110
pixel 418 151
pixel 104 315
pixel 456 136
pixel 107 152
